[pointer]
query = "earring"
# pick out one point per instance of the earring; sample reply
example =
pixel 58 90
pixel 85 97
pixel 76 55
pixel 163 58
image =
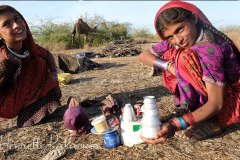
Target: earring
pixel 176 47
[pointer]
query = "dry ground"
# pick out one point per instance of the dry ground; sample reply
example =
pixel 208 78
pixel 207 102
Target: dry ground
pixel 129 80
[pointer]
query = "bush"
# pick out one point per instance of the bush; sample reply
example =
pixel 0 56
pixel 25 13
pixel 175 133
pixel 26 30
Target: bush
pixel 52 36
pixel 59 37
pixel 143 35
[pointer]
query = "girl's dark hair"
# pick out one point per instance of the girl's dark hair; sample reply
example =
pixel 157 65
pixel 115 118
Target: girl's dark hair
pixel 172 16
pixel 6 8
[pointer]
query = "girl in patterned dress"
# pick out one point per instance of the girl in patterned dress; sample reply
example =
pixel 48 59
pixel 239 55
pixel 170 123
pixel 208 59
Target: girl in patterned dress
pixel 200 67
pixel 28 82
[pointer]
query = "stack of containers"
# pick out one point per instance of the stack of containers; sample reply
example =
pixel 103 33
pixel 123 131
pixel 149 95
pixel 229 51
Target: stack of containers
pixel 150 120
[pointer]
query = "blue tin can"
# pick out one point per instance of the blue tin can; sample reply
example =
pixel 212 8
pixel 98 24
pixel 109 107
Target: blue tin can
pixel 111 140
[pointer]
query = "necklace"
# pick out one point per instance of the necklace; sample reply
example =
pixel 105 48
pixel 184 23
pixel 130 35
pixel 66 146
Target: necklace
pixel 22 56
pixel 200 37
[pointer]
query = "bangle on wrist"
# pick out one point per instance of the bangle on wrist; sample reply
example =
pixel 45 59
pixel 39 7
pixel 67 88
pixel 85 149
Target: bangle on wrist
pixel 179 123
pixel 176 123
pixel 190 118
pixel 161 63
pixel 169 65
pixel 182 123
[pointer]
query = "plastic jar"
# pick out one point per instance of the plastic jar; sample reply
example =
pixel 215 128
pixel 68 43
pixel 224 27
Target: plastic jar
pixel 100 124
pixel 111 140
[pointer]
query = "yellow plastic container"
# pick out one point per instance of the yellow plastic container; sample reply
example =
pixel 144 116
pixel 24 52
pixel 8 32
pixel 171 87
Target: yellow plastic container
pixel 100 124
pixel 64 78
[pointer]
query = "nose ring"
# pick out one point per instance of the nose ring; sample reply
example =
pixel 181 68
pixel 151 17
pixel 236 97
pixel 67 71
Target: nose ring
pixel 176 46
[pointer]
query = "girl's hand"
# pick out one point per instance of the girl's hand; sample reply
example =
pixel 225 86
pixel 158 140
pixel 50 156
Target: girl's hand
pixel 167 130
pixel 3 55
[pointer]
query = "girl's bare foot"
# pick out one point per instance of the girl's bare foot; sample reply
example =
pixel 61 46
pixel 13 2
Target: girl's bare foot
pixel 181 134
pixel 72 102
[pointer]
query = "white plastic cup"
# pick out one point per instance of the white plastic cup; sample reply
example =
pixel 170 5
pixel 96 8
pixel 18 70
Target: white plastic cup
pixel 150 132
pixel 150 121
pixel 149 99
pixel 128 113
pixel 100 124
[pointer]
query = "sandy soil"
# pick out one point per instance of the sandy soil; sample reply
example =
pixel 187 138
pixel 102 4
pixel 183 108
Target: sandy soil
pixel 129 80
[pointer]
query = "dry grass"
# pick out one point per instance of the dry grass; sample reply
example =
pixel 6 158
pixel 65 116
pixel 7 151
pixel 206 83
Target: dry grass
pixel 233 33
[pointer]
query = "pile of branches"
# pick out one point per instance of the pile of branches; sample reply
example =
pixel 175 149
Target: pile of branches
pixel 120 48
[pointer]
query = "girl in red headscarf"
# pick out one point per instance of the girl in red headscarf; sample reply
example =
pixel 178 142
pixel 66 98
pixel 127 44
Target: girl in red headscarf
pixel 28 82
pixel 200 67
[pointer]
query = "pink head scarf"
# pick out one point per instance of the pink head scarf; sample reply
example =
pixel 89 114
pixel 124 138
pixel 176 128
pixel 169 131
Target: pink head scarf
pixel 184 5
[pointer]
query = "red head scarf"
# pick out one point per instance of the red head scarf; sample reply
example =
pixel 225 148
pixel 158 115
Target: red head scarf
pixel 34 81
pixel 184 5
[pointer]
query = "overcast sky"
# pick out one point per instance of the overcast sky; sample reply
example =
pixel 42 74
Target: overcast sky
pixel 138 13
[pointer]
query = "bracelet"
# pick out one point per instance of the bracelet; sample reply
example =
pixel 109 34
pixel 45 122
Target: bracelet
pixel 182 123
pixel 175 122
pixel 190 117
pixel 169 65
pixel 161 63
pixel 186 119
